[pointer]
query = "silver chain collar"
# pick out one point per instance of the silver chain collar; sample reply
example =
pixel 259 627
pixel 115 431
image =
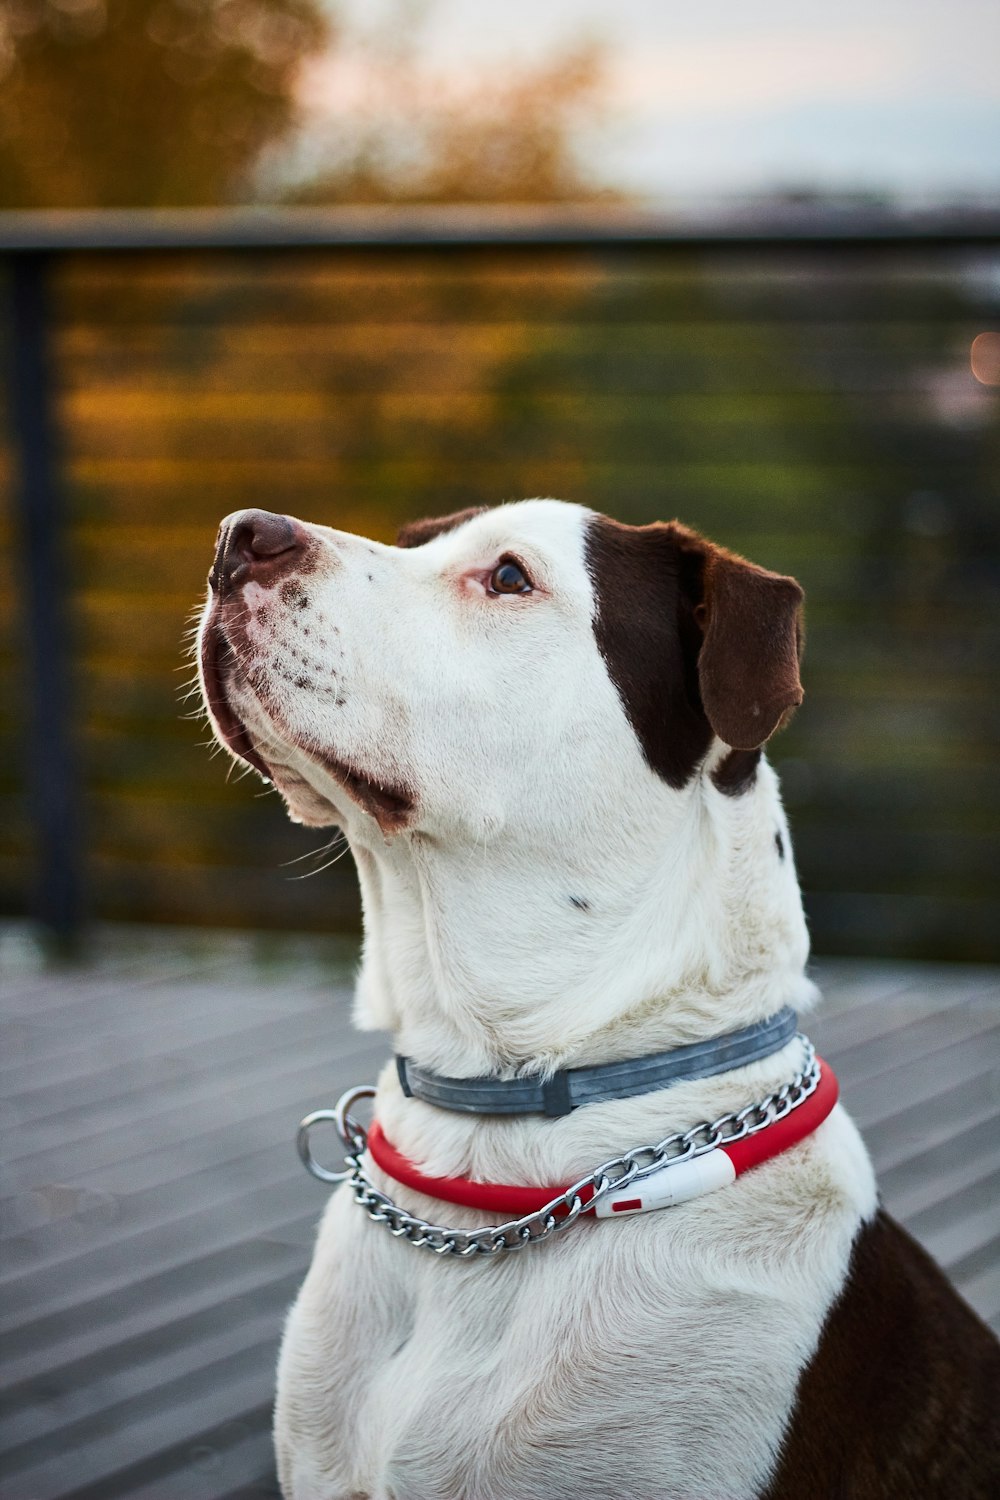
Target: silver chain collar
pixel 534 1228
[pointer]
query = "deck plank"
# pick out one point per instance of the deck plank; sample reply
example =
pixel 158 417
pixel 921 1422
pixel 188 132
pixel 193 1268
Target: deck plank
pixel 156 1222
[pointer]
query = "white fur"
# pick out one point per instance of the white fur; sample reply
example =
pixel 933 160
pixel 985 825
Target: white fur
pixel 654 1357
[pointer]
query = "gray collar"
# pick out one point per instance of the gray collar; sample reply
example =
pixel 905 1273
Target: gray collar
pixel 571 1087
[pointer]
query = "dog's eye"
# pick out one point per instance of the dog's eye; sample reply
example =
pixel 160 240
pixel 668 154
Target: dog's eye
pixel 508 577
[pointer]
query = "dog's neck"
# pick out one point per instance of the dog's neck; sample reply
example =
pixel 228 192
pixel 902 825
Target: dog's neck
pixel 521 954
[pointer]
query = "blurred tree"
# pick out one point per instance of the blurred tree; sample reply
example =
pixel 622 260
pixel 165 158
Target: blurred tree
pixel 406 135
pixel 129 103
pixel 114 103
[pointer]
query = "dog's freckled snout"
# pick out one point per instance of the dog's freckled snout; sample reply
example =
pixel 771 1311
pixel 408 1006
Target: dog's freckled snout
pixel 255 544
pixel 293 596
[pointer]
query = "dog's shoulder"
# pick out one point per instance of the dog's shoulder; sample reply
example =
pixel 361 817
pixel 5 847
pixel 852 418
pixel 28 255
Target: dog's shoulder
pixel 901 1396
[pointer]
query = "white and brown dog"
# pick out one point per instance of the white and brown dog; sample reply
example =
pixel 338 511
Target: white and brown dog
pixel 541 732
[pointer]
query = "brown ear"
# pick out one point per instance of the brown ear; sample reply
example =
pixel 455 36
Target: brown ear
pixel 748 666
pixel 416 533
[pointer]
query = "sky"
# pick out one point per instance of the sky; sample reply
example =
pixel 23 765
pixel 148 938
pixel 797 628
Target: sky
pixel 716 98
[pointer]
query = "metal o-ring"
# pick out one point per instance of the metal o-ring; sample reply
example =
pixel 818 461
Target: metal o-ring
pixel 302 1142
pixel 351 1134
pixel 349 1130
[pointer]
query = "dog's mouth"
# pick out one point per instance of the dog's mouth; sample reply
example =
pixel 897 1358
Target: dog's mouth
pixel 217 656
pixel 391 805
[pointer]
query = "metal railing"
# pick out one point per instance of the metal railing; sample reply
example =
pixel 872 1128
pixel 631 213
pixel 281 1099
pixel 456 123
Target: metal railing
pixel 32 244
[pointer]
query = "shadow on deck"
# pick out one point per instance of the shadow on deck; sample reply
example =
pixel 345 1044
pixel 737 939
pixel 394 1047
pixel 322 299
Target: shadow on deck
pixel 157 1222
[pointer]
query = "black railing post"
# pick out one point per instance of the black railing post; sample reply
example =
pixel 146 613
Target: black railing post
pixel 51 764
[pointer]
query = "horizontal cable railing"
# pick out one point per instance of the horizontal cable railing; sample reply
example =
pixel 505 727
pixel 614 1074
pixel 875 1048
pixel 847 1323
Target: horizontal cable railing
pixel 793 377
pixel 459 227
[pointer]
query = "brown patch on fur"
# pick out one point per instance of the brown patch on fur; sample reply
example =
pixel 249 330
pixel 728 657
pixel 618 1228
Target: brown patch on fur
pixel 736 772
pixel 647 587
pixel 416 533
pixel 291 593
pixel 900 1400
pixel 698 642
pixel 749 663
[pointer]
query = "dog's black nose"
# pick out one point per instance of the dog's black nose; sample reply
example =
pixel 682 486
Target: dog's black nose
pixel 255 544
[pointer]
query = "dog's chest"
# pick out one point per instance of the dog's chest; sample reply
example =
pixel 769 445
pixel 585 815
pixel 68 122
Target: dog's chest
pixel 650 1348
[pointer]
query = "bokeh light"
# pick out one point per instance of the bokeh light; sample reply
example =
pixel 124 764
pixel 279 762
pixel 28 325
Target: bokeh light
pixel 984 358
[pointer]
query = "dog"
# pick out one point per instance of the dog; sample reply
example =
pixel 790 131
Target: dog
pixel 542 734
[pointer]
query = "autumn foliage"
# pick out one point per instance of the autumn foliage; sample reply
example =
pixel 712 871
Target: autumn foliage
pixel 118 103
pixel 157 103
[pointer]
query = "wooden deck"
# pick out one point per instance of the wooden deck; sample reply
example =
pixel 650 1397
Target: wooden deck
pixel 157 1222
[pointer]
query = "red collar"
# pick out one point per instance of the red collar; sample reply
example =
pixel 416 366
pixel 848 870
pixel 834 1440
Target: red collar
pixel 672 1184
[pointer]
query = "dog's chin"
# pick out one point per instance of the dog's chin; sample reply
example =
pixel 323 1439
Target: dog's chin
pixel 392 808
pixel 304 803
pixel 391 805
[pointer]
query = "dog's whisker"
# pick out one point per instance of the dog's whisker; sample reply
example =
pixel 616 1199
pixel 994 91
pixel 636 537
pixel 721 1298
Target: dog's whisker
pixel 312 853
pixel 308 874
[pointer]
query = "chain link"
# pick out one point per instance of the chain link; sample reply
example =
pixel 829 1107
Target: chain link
pixel 564 1210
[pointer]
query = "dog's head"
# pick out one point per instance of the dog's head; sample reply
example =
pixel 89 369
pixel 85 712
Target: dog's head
pixel 496 669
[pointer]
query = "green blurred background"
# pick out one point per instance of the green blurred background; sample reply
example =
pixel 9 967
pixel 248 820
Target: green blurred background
pixel 815 411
